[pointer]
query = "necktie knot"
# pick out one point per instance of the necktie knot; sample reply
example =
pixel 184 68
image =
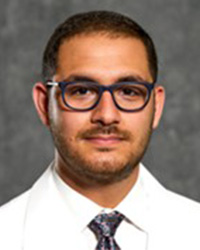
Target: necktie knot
pixel 105 225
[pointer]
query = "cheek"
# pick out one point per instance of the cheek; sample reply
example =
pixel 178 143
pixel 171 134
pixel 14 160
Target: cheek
pixel 138 122
pixel 70 123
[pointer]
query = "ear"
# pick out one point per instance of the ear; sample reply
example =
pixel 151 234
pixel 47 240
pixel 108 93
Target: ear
pixel 40 98
pixel 159 104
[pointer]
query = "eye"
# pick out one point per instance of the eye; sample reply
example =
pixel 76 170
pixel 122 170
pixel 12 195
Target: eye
pixel 130 91
pixel 78 90
pixel 81 91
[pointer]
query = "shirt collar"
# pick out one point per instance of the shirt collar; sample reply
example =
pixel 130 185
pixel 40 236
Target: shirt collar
pixel 134 206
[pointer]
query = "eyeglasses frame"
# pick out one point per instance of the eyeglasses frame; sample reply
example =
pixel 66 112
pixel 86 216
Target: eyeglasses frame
pixel 62 85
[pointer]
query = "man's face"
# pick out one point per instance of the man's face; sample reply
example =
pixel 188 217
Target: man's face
pixel 103 145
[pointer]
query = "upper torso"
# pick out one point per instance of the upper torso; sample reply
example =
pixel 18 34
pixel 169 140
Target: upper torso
pixel 41 219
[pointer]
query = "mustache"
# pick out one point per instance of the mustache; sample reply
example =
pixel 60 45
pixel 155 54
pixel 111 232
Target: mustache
pixel 105 130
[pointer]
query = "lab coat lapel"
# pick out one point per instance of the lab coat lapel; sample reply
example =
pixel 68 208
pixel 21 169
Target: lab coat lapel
pixel 48 224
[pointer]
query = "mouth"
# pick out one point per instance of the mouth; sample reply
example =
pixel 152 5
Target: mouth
pixel 104 140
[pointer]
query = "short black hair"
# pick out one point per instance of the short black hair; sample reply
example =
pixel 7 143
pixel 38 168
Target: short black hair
pixel 106 22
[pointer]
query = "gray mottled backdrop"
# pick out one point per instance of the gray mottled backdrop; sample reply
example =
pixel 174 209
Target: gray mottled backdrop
pixel 25 145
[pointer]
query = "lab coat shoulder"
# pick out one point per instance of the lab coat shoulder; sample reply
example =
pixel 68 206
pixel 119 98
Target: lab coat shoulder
pixel 177 223
pixel 165 202
pixel 179 211
pixel 39 219
pixel 174 220
pixel 12 217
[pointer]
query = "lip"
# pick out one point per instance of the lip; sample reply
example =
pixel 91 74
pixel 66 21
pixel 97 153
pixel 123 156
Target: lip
pixel 104 140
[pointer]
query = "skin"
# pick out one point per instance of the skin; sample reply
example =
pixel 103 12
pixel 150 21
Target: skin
pixel 98 152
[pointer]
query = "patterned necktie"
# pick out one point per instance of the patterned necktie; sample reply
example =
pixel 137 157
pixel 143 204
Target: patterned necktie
pixel 104 226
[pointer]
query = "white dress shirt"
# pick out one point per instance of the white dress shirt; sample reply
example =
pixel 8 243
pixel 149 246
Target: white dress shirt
pixel 130 234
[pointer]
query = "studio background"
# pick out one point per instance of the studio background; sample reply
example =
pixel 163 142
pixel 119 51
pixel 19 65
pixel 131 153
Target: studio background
pixel 26 148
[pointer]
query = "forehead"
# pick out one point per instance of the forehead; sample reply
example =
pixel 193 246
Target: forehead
pixel 102 55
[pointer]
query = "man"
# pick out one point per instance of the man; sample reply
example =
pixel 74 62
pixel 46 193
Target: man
pixel 100 100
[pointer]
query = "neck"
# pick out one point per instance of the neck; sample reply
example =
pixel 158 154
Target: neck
pixel 108 196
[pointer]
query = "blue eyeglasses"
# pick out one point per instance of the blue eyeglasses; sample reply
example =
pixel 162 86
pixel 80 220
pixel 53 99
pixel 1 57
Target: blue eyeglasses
pixel 85 95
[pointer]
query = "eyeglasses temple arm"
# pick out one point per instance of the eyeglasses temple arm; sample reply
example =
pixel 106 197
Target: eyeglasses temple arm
pixel 52 83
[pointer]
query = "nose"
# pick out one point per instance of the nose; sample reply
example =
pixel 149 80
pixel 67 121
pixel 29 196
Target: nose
pixel 106 113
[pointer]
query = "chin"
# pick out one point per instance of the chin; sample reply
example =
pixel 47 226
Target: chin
pixel 106 173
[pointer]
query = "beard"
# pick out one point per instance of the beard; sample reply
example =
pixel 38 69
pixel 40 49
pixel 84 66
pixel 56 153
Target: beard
pixel 104 169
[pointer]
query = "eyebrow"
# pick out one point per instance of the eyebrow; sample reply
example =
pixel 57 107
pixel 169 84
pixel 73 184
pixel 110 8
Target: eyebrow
pixel 82 78
pixel 131 78
pixel 79 78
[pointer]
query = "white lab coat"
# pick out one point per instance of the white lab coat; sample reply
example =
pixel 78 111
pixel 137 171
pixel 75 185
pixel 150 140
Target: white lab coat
pixel 39 220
